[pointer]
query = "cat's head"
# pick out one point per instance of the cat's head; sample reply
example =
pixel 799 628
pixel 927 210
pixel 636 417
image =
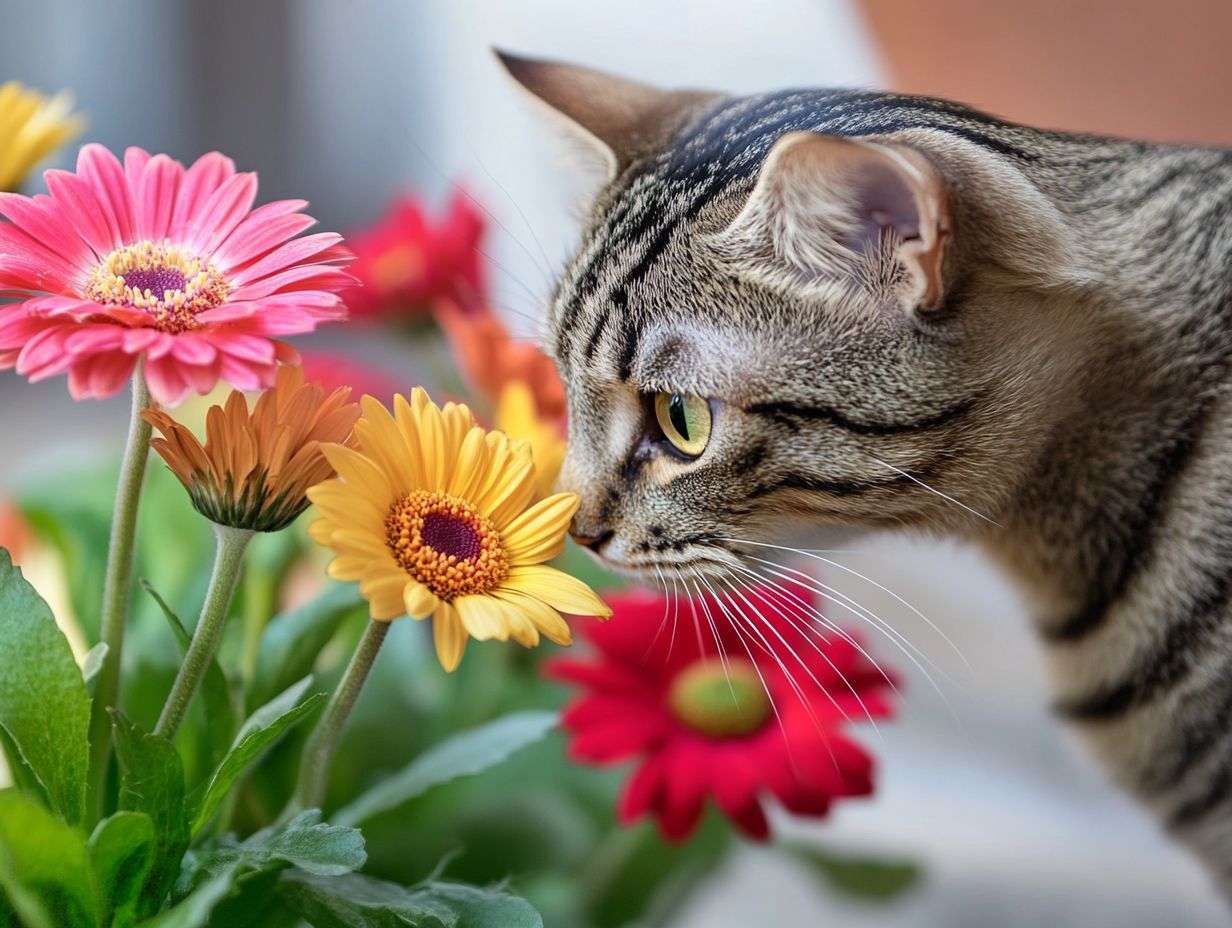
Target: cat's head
pixel 765 322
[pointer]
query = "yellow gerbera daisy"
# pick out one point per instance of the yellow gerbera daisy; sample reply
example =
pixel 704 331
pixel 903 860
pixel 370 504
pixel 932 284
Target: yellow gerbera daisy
pixel 32 126
pixel 434 517
pixel 517 417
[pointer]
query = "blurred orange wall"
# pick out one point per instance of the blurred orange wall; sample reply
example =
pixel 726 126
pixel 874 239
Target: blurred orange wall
pixel 1156 69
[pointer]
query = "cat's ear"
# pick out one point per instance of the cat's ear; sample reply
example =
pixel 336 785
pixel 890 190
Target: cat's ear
pixel 617 117
pixel 824 202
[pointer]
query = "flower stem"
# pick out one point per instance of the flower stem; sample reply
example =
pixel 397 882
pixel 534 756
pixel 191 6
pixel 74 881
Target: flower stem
pixel 228 558
pixel 323 742
pixel 118 585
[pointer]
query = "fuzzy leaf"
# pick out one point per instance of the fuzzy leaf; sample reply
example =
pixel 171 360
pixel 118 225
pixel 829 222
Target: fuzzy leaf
pixel 43 701
pixel 355 901
pixel 195 909
pixel 122 851
pixel 152 781
pixel 256 735
pixel 48 859
pixel 462 755
pixel 93 662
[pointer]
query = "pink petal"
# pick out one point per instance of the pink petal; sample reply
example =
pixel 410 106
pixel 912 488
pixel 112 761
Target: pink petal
pixel 94 338
pixel 138 340
pixel 242 347
pixel 223 211
pixel 110 372
pixel 44 354
pixel 166 384
pixel 301 279
pixel 103 171
pixel 296 251
pixel 135 160
pixel 245 375
pixel 193 350
pixel 42 221
pixel 84 210
pixel 262 229
pixel 156 190
pixel 29 265
pixel 200 181
pixel 202 378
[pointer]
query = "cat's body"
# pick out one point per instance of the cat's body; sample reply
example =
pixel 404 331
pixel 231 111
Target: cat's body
pixel 1037 325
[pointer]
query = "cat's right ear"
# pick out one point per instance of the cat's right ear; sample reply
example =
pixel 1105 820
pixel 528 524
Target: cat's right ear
pixel 615 117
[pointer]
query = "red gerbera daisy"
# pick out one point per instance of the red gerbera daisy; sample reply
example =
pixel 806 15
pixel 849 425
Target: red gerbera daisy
pixel 711 713
pixel 408 262
pixel 151 259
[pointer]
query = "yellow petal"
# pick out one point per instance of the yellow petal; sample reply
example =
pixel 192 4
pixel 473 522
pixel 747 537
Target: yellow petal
pixel 361 473
pixel 449 636
pixel 544 617
pixel 382 441
pixel 556 588
pixel 470 467
pixel 483 617
pixel 382 586
pixel 420 601
pixel 538 534
pixel 432 447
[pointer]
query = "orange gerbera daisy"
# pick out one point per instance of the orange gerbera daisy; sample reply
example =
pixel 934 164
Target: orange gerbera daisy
pixel 256 467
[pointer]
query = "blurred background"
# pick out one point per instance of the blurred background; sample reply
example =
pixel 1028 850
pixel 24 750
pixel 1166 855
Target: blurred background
pixel 348 104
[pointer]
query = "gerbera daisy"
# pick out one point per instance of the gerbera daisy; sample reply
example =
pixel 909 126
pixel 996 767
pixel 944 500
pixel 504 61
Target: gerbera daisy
pixel 518 418
pixel 149 259
pixel 691 691
pixel 489 358
pixel 255 467
pixel 434 517
pixel 408 262
pixel 32 126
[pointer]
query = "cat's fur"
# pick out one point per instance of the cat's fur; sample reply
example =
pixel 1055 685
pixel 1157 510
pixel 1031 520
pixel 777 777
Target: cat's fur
pixel 1034 323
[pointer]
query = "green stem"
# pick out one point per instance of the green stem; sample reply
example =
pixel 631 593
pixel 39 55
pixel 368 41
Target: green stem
pixel 227 560
pixel 118 585
pixel 323 742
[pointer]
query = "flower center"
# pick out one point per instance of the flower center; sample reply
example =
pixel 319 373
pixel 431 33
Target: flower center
pixel 445 544
pixel 170 284
pixel 719 701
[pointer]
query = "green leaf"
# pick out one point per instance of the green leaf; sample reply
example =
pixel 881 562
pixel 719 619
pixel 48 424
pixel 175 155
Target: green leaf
pixel 152 781
pixel 18 904
pixel 292 641
pixel 263 728
pixel 47 858
pixel 194 910
pixel 19 770
pixel 122 851
pixel 305 842
pixel 43 700
pixel 462 755
pixel 93 662
pixel 355 901
pixel 215 690
pixel 869 879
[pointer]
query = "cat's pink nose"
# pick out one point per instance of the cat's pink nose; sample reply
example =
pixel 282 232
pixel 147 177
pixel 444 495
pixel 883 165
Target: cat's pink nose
pixel 594 542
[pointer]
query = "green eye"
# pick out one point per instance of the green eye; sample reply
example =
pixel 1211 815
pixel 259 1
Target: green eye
pixel 685 422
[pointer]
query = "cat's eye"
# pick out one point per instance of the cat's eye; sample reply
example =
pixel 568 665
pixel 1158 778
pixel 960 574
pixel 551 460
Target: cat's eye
pixel 684 421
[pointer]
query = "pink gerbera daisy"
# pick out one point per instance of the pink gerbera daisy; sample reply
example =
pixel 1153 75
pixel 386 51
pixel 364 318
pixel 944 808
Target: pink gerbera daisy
pixel 149 259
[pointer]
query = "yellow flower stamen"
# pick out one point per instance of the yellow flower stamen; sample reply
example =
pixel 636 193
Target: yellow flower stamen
pixel 171 284
pixel 445 544
pixel 720 700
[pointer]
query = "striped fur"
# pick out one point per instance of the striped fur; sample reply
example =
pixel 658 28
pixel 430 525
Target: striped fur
pixel 1071 389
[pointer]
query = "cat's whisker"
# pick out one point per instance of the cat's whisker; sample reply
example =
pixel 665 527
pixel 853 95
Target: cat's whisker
pixel 914 479
pixel 803 621
pixel 663 623
pixel 811 613
pixel 904 645
pixel 804 552
pixel 547 267
pixel 738 590
pixel 734 616
pixel 714 631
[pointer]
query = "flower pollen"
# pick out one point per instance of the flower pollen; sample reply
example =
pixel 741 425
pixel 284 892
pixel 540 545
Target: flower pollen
pixel 720 700
pixel 169 283
pixel 445 544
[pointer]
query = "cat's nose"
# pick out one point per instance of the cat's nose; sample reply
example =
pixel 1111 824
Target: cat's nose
pixel 594 542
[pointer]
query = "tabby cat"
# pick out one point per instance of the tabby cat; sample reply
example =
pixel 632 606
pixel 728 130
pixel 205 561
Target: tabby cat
pixel 872 309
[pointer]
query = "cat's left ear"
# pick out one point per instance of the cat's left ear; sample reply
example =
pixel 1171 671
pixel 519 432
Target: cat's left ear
pixel 824 202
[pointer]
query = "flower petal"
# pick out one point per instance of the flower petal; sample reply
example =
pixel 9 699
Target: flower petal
pixel 556 588
pixel 449 636
pixel 538 534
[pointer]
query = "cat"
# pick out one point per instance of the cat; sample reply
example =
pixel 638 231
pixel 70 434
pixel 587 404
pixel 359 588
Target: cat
pixel 876 310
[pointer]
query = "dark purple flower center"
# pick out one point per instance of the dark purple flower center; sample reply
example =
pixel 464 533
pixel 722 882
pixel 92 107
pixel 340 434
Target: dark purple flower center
pixel 157 280
pixel 450 536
